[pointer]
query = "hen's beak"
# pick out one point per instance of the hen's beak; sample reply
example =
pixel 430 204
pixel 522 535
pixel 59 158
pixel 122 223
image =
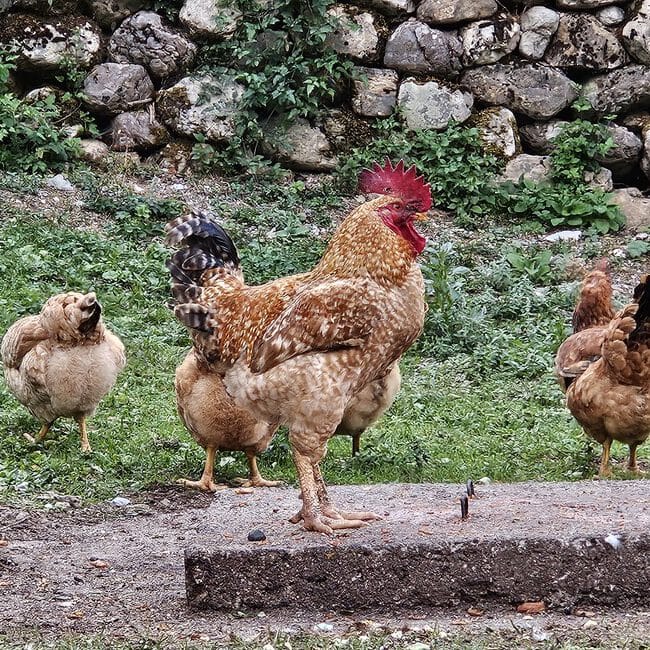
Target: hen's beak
pixel 421 216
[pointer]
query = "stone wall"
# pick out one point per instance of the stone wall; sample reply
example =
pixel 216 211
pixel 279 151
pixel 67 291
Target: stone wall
pixel 514 69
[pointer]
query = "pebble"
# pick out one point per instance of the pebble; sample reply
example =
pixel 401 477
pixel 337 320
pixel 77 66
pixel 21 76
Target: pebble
pixel 61 183
pixel 485 480
pixel 256 535
pixel 324 627
pixel 120 502
pixel 564 235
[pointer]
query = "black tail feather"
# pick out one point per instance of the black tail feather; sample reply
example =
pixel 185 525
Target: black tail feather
pixel 642 316
pixel 203 245
pixel 194 316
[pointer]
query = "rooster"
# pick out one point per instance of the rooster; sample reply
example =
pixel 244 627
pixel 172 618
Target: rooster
pixel 611 398
pixel 63 361
pixel 297 350
pixel 592 314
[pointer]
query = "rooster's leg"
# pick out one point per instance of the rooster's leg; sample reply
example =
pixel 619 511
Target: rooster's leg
pixel 206 482
pixel 308 488
pixel 329 510
pixel 255 478
pixel 631 464
pixel 85 445
pixel 604 459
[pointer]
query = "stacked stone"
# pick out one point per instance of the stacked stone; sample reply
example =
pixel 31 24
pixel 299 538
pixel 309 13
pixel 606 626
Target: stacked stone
pixel 511 69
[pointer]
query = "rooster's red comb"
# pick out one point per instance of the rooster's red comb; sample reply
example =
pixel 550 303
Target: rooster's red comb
pixel 396 181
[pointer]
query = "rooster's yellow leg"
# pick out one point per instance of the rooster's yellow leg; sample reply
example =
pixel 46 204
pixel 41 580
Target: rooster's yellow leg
pixel 255 478
pixel 631 464
pixel 326 507
pixel 85 445
pixel 206 482
pixel 604 459
pixel 308 488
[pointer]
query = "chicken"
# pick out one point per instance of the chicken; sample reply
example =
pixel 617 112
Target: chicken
pixel 611 398
pixel 368 406
pixel 216 423
pixel 593 312
pixel 63 361
pixel 297 350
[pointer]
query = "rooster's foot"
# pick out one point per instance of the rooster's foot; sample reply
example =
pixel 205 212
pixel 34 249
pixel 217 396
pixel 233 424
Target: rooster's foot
pixel 333 520
pixel 328 525
pixel 256 481
pixel 205 485
pixel 350 516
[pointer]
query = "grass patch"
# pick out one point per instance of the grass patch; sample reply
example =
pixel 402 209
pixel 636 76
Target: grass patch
pixel 478 398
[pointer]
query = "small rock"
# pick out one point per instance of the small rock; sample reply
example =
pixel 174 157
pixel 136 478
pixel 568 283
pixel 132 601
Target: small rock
pixel 61 183
pixel 564 235
pixel 484 481
pixel 614 541
pixel 324 627
pixel 540 635
pixel 256 535
pixel 418 645
pixel 120 502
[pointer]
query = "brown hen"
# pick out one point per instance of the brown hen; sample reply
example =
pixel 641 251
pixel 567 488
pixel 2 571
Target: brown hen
pixel 368 406
pixel 298 350
pixel 216 423
pixel 63 361
pixel 611 398
pixel 593 312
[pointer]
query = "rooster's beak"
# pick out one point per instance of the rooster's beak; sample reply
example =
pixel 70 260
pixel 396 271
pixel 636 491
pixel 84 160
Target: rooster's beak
pixel 421 216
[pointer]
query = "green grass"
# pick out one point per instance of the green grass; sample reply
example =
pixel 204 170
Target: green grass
pixel 478 397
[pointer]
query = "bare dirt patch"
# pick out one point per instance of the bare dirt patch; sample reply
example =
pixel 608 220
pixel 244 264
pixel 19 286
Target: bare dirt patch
pixel 118 572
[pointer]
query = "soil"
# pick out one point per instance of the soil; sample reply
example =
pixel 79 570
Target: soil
pixel 117 572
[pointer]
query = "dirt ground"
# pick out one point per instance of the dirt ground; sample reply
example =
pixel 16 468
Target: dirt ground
pixel 117 572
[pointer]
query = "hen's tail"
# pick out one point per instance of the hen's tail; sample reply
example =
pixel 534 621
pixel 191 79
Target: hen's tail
pixel 641 333
pixel 626 347
pixel 205 251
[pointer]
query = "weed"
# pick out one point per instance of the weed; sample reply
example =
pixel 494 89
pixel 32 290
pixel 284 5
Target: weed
pixel 452 161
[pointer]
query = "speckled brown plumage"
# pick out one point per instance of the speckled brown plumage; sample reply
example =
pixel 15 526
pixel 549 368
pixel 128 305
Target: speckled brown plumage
pixel 592 313
pixel 63 361
pixel 611 399
pixel 297 350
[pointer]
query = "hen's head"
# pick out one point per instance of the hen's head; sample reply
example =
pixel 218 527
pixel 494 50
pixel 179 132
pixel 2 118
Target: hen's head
pixel 412 198
pixel 72 316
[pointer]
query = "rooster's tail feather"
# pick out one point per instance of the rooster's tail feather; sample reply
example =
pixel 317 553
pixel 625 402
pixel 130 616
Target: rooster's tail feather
pixel 204 245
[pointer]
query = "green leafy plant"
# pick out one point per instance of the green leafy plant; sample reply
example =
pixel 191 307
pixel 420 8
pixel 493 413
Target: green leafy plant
pixel 567 199
pixel 452 160
pixel 30 139
pixel 638 248
pixel 535 265
pixel 280 53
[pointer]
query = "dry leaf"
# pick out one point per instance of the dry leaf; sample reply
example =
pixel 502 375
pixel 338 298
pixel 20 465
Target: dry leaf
pixel 584 612
pixel 534 607
pixel 426 531
pixel 76 614
pixel 475 611
pixel 4 542
pixel 244 491
pixel 100 564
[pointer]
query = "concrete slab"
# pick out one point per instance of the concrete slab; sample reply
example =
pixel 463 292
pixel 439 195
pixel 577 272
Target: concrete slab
pixel 568 544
